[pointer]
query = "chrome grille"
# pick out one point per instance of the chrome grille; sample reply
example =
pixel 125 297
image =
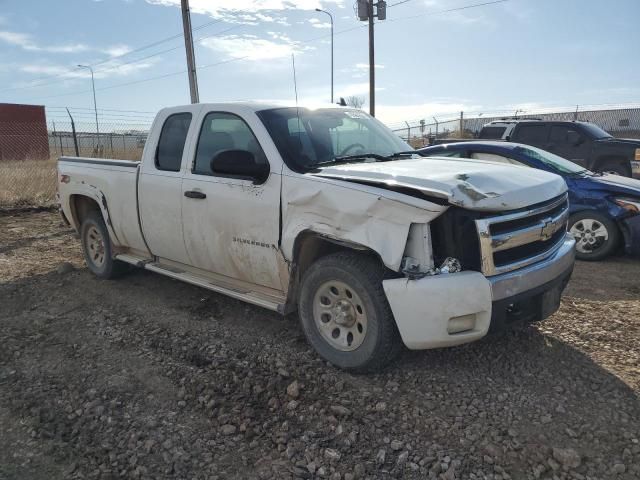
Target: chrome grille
pixel 515 240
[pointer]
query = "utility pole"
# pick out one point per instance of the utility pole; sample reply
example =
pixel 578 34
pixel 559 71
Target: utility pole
pixel 367 11
pixel 191 57
pixel 331 17
pixel 95 107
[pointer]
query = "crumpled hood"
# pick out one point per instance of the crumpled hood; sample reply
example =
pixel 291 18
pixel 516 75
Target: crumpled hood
pixel 473 184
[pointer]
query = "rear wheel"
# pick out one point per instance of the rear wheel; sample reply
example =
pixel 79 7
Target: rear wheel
pixel 96 246
pixel 344 312
pixel 596 235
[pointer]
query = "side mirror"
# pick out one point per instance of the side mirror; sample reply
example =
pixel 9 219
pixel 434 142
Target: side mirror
pixel 240 163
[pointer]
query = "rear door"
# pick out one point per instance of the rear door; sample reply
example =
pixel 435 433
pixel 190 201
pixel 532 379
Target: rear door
pixel 160 186
pixel 231 225
pixel 533 133
pixel 569 143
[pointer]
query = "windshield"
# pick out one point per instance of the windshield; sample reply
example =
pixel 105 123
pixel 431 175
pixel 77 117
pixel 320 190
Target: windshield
pixel 307 138
pixel 556 163
pixel 595 131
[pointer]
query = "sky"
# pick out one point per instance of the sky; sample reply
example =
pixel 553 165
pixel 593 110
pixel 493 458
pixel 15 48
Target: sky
pixel 517 54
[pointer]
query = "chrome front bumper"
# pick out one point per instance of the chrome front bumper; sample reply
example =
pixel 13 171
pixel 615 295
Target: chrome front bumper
pixel 519 281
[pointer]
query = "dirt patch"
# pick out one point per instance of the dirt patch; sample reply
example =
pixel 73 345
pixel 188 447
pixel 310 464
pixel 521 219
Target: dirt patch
pixel 147 377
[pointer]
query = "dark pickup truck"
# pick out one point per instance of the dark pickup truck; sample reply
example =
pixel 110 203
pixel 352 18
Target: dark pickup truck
pixel 580 142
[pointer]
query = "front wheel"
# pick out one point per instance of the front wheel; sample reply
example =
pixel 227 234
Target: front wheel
pixel 596 235
pixel 345 314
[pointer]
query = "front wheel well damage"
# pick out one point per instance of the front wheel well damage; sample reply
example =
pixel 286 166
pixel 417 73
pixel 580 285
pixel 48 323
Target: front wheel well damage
pixel 309 247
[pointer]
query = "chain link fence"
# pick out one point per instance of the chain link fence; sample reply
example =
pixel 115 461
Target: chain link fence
pixel 28 151
pixel 621 122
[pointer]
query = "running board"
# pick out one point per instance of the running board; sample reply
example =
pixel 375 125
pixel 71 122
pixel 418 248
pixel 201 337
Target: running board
pixel 262 300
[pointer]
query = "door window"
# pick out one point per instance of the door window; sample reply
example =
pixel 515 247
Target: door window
pixel 171 143
pixel 566 136
pixel 532 134
pixel 224 131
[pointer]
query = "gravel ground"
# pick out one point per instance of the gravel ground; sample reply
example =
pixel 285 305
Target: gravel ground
pixel 147 377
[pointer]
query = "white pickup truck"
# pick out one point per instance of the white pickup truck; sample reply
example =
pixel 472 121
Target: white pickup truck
pixel 324 211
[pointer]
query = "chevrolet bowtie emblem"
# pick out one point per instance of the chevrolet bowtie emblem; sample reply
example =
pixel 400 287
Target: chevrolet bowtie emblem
pixel 548 229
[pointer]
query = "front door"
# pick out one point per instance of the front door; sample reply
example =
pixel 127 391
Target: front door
pixel 569 143
pixel 231 225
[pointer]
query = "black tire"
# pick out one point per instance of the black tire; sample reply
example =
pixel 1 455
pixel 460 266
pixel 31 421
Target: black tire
pixel 617 168
pixel 601 248
pixel 363 274
pixel 101 265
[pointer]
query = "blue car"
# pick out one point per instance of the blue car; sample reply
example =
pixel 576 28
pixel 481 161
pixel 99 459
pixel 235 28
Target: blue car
pixel 604 209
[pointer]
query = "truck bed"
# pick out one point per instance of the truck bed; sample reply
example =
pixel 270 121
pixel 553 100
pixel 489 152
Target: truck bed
pixel 113 185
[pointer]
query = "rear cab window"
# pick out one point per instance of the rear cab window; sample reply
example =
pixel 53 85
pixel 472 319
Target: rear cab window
pixel 492 133
pixel 171 142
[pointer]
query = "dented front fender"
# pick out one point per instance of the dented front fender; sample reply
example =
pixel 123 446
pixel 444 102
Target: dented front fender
pixel 364 215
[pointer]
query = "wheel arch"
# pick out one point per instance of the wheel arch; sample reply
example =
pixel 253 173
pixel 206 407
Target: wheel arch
pixel 606 159
pixel 615 224
pixel 80 206
pixel 308 247
pixel 82 203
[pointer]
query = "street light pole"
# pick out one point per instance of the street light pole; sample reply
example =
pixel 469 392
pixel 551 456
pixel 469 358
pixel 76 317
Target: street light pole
pixel 331 17
pixel 95 107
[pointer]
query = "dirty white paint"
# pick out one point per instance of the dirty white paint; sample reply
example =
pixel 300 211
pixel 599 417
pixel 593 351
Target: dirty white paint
pixel 244 234
pixel 112 185
pixel 426 309
pixel 475 185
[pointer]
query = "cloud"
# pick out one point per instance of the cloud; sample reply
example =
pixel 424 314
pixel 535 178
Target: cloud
pixel 26 42
pixel 237 10
pixel 117 50
pixel 112 68
pixel 315 23
pixel 359 70
pixel 365 66
pixel 254 48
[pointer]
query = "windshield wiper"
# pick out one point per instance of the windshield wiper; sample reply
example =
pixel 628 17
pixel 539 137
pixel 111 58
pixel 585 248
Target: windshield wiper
pixel 362 156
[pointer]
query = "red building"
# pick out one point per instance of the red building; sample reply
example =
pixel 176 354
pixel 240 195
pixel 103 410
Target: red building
pixel 23 132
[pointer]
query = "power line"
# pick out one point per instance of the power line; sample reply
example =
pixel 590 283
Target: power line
pixel 398 3
pixel 65 75
pixel 120 65
pixel 449 10
pixel 158 77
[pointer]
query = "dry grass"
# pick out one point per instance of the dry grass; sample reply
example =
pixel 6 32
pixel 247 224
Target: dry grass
pixel 27 183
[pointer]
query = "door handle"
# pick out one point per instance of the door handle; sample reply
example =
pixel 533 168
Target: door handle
pixel 194 194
